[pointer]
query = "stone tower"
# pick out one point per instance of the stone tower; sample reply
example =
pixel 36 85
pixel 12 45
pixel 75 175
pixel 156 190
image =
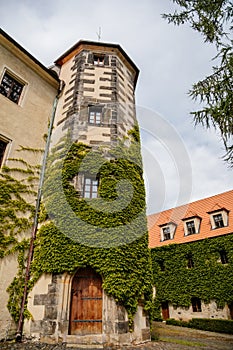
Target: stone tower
pixel 93 292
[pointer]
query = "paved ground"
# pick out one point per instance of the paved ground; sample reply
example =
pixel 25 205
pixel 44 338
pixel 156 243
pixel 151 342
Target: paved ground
pixel 167 338
pixel 173 337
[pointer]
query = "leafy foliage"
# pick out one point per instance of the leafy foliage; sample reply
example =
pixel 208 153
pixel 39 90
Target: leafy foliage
pixel 18 188
pixel 207 280
pixel 213 19
pixel 124 267
pixel 205 324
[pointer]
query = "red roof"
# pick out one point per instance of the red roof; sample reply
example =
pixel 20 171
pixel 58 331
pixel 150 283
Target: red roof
pixel 202 209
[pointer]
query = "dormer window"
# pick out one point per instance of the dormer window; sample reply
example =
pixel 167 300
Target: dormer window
pixel 219 218
pixel 191 225
pixel 167 231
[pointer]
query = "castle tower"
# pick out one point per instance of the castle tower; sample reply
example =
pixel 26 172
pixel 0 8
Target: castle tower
pixel 95 274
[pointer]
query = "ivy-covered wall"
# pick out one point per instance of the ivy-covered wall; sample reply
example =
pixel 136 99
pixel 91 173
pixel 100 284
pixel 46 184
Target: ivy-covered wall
pixel 208 279
pixel 110 233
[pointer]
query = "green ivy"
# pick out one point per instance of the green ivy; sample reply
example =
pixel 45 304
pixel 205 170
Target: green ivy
pixel 126 268
pixel 18 188
pixel 209 279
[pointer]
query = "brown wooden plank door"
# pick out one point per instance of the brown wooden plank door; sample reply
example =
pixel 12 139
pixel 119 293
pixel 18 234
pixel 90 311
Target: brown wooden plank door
pixel 165 310
pixel 86 303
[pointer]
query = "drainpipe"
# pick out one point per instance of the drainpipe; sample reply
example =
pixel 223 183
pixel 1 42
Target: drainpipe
pixel 19 331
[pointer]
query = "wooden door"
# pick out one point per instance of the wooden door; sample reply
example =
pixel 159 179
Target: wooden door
pixel 165 310
pixel 86 303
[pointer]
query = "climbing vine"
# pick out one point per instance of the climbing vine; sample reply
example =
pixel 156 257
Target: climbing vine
pixel 18 188
pixel 117 218
pixel 208 279
pixel 125 266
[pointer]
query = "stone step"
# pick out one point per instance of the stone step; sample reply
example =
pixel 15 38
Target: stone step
pixel 84 346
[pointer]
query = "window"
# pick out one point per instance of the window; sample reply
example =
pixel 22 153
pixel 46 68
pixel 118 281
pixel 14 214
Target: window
pixel 98 60
pixel 218 220
pixel 196 304
pixel 95 115
pixel 167 230
pixel 90 187
pixel 166 233
pixel 223 257
pixel 190 227
pixel 190 262
pixel 11 88
pixel 192 224
pixel 3 145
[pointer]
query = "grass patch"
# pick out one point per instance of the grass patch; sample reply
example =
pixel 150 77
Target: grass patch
pixel 181 342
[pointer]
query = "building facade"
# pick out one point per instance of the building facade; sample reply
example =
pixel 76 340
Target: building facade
pixel 98 293
pixel 27 92
pixel 192 259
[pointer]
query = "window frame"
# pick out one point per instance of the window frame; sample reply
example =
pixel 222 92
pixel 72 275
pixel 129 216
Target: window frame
pixel 223 257
pixel 15 81
pixel 225 218
pixel 93 111
pixel 166 231
pixel 196 304
pixel 171 226
pixel 218 220
pixel 190 226
pixel 93 182
pixel 6 141
pixel 98 59
pixel 195 228
pixel 190 261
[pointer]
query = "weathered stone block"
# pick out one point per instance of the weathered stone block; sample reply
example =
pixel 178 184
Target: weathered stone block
pixel 121 327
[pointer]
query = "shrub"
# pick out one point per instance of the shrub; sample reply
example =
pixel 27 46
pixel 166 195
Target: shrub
pixel 205 324
pixel 213 325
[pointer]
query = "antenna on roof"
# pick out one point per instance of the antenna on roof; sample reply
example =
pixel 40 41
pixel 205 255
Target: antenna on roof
pixel 99 34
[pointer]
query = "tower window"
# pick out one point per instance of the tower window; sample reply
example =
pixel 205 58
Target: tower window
pixel 3 145
pixel 223 257
pixel 190 227
pixel 166 233
pixel 11 88
pixel 98 60
pixel 90 187
pixel 95 115
pixel 196 304
pixel 218 220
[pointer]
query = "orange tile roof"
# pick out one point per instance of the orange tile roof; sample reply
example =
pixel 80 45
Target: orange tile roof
pixel 199 208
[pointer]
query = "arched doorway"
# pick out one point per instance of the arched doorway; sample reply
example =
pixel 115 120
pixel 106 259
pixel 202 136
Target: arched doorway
pixel 86 303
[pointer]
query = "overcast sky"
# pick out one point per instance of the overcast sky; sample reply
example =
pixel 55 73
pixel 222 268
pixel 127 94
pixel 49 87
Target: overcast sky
pixel 181 163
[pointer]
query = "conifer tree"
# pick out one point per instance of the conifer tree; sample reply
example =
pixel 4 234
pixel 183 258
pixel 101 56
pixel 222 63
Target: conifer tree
pixel 214 20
